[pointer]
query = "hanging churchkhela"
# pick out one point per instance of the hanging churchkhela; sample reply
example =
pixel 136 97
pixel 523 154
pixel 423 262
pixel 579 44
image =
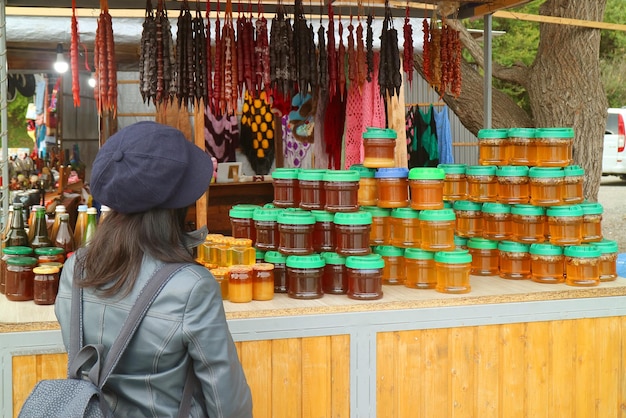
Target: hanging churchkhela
pixel 74 57
pixel 304 51
pixel 369 43
pixel 230 93
pixel 361 59
pixel 332 55
pixel 105 91
pixel 352 62
pixel 262 55
pixel 407 63
pixel 200 90
pixel 341 63
pixel 442 58
pixel 282 67
pixel 389 77
pixel 322 62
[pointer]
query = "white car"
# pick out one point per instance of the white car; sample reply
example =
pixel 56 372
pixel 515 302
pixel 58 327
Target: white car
pixel 613 155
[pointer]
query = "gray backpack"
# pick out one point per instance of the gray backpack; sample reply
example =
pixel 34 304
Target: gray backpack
pixel 80 395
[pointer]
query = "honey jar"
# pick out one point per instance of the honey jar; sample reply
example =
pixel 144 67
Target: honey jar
pixel 323 231
pixel 353 232
pixel 582 265
pixel 286 187
pixel 608 259
pixel 20 278
pixel 311 184
pixel 521 146
pixel 241 221
pixel 460 243
pixel 240 283
pixel 50 255
pixel 379 146
pixel 454 182
pixel 241 252
pixel 342 190
pixel 485 256
pixel 592 222
pixel 262 281
pixel 514 260
pixel 573 184
pixel 426 187
pixel 221 277
pixel 368 188
pixel 546 263
pixel 546 186
pixel 304 276
pixel 566 224
pixel 266 227
pixel 554 146
pixel 437 229
pixel 9 252
pixel 420 269
pixel 481 183
pixel 493 147
pixel 393 271
pixel 469 218
pixel 393 187
pixel 46 285
pixel 404 228
pixel 528 223
pixel 512 184
pixel 365 277
pixel 380 232
pixel 335 277
pixel 453 271
pixel 280 270
pixel 497 221
pixel 295 230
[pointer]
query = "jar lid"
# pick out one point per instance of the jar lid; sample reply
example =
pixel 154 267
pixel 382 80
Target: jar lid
pixel 574 170
pixel 513 247
pixel 364 172
pixel 312 261
pixel 447 204
pixel 453 257
pixel 512 171
pixel 418 254
pixel 567 210
pixel 545 249
pixel 294 217
pixel 521 132
pixel 53 264
pixel 582 251
pixel 213 237
pixel 242 242
pixel 453 168
pixel 493 133
pixel 481 170
pixel 591 208
pixel 437 215
pixel 377 212
pixel 554 133
pixel 322 215
pixel 219 271
pixel 482 243
pixel 311 174
pixel 260 254
pixel 606 246
pixel 427 173
pixel 460 241
pixel 46 270
pixel 342 175
pixel 263 266
pixel 529 210
pixel 275 257
pixel 333 258
pixel 546 172
pixel 493 207
pixel 394 172
pixel 240 268
pixel 266 214
pixel 370 261
pixel 244 211
pixel 18 250
pixel 269 205
pixel 49 251
pixel 405 213
pixel 285 173
pixel 389 251
pixel 372 132
pixel 21 261
pixel 467 205
pixel 353 218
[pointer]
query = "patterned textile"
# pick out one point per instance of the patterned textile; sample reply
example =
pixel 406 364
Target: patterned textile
pixel 296 152
pixel 257 133
pixel 221 136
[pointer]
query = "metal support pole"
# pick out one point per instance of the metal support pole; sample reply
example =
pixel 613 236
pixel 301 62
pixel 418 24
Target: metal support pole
pixel 487 99
pixel 4 127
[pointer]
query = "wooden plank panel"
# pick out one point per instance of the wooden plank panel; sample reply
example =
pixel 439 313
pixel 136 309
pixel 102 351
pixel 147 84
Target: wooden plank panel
pixel 537 359
pixel 585 387
pixel 386 377
pixel 608 347
pixel 51 366
pixel 340 375
pixel 256 360
pixel 562 366
pixel 436 373
pixel 513 376
pixel 316 384
pixel 286 386
pixel 24 379
pixel 488 368
pixel 462 366
pixel 410 380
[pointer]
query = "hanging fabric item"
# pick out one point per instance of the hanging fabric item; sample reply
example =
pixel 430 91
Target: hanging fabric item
pixel 319 146
pixel 257 132
pixel 396 120
pixel 444 136
pixel 334 122
pixel 423 150
pixel 302 118
pixel 296 153
pixel 221 136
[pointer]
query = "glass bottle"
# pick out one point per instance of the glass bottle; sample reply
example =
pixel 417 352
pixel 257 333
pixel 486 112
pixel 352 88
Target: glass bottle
pixel 40 228
pixel 30 222
pixel 65 236
pixel 7 226
pixel 58 211
pixel 81 224
pixel 104 212
pixel 92 224
pixel 17 234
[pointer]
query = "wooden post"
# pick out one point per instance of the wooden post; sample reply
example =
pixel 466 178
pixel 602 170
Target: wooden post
pixel 202 204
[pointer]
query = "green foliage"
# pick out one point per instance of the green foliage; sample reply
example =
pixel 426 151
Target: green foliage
pixel 16 113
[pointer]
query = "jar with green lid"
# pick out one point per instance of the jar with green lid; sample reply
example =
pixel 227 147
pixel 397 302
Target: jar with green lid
pixel 352 232
pixel 592 222
pixel 420 269
pixel 380 231
pixel 393 187
pixel 311 184
pixel 393 271
pixel 497 221
pixel 368 188
pixel 9 252
pixel 304 276
pixel 482 185
pixel 50 254
pixel 323 231
pixel 437 229
pixel 335 278
pixel 242 222
pixel 280 273
pixel 485 256
pixel 365 274
pixel 259 255
pixel 469 218
pixel 404 228
pixel 512 184
pixel 286 187
pixel 379 145
pixel 426 187
pixel 546 186
pixel 554 146
pixel 573 184
pixel 295 229
pixel 566 224
pixel 521 146
pixel 608 259
pixel 453 271
pixel 20 278
pixel 528 223
pixel 460 243
pixel 266 228
pixel 45 285
pixel 582 265
pixel 454 182
pixel 514 260
pixel 546 263
pixel 342 190
pixel 493 146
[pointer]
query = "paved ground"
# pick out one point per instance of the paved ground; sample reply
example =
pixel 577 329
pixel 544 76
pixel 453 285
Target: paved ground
pixel 612 196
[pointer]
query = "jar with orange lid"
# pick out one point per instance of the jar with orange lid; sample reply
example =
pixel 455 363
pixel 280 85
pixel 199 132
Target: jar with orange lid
pixel 240 283
pixel 379 145
pixel 365 277
pixel 404 228
pixel 368 188
pixel 482 185
pixel 10 252
pixel 241 221
pixel 295 229
pixel 379 234
pixel 323 231
pixel 566 224
pixel 521 146
pixel 304 276
pixel 420 270
pixel 241 252
pixel 493 147
pixel 311 184
pixel 262 281
pixel 352 232
pixel 497 223
pixel 514 260
pixel 342 190
pixel 453 271
pixel 454 182
pixel 554 146
pixel 512 184
pixel 426 186
pixel 393 271
pixel 469 218
pixel 546 186
pixel 393 187
pixel 20 278
pixel 280 270
pixel 266 227
pixel 485 256
pixel 608 259
pixel 528 223
pixel 546 263
pixel 335 278
pixel 573 184
pixel 286 187
pixel 46 285
pixel 592 222
pixel 221 277
pixel 582 265
pixel 437 229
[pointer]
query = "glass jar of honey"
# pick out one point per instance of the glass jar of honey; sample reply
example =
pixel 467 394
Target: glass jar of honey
pixel 323 231
pixel 9 252
pixel 469 218
pixel 352 232
pixel 554 146
pixel 592 222
pixel 286 187
pixel 514 260
pixel 420 269
pixel 266 227
pixel 482 185
pixel 546 186
pixel 368 188
pixel 335 278
pixel 311 184
pixel 241 252
pixel 342 190
pixel 404 228
pixel 546 263
pixel 528 223
pixel 20 278
pixel 50 254
pixel 259 255
pixel 493 147
pixel 497 223
pixel 393 187
pixel 573 184
pixel 485 256
pixel 453 271
pixel 521 146
pixel 379 234
pixel 365 277
pixel 242 222
pixel 608 259
pixel 221 277
pixel 426 187
pixel 512 184
pixel 379 145
pixel 262 281
pixel 46 285
pixel 240 283
pixel 393 271
pixel 295 229
pixel 280 270
pixel 582 265
pixel 566 224
pixel 437 229
pixel 304 276
pixel 454 182
pixel 460 243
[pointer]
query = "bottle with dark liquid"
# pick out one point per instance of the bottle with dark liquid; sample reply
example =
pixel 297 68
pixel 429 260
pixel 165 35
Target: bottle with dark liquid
pixel 65 236
pixel 81 225
pixel 7 226
pixel 40 234
pixel 17 234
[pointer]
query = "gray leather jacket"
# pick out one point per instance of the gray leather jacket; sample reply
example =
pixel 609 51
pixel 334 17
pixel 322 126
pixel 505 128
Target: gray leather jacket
pixel 185 323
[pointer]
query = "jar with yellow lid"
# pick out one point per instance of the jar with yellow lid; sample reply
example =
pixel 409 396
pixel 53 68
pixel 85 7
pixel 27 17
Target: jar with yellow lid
pixel 404 228
pixel 437 229
pixel 512 184
pixel 46 285
pixel 573 184
pixel 393 187
pixel 497 221
pixel 546 263
pixel 582 265
pixel 420 269
pixel 566 224
pixel 493 147
pixel 485 256
pixel 528 223
pixel 469 218
pixel 521 146
pixel 241 252
pixel 514 260
pixel 311 184
pixel 453 271
pixel 368 187
pixel 379 146
pixel 482 185
pixel 546 186
pixel 608 259
pixel 393 271
pixel 592 222
pixel 554 146
pixel 454 182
